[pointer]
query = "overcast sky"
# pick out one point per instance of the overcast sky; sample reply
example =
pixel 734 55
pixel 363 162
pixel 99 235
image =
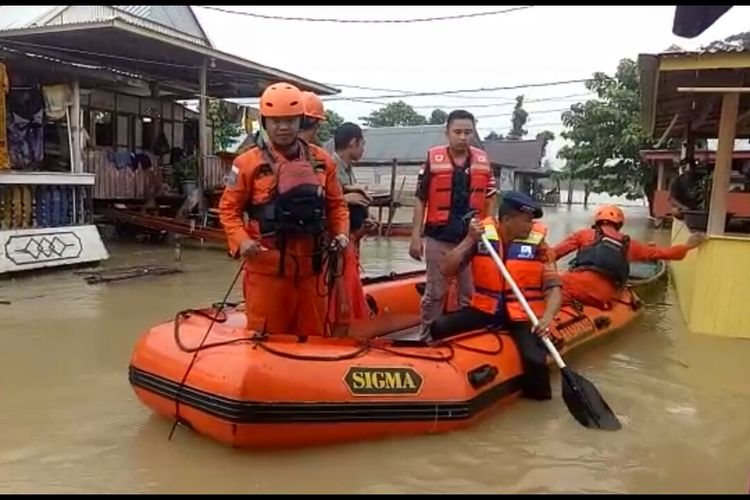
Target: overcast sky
pixel 540 44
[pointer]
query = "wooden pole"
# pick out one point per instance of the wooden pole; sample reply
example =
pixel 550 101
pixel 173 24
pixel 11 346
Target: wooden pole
pixel 75 155
pixel 660 176
pixel 722 171
pixel 202 126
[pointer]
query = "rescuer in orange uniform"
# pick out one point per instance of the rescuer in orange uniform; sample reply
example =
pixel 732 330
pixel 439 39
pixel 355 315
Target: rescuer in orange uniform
pixel 519 241
pixel 602 265
pixel 455 181
pixel 314 115
pixel 294 205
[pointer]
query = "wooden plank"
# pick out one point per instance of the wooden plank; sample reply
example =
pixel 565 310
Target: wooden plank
pixel 715 90
pixel 720 185
pixel 47 178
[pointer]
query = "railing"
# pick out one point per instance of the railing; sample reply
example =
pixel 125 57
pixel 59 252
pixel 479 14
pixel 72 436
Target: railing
pixel 38 206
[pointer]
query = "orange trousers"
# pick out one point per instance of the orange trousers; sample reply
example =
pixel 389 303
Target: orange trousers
pixel 589 288
pixel 285 305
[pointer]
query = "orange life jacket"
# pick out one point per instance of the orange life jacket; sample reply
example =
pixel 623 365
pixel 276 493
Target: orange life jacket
pixel 523 261
pixel 439 196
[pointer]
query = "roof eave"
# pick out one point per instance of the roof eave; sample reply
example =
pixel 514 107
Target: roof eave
pixel 316 87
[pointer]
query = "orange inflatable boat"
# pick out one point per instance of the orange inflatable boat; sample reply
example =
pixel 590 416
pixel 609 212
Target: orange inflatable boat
pixel 256 391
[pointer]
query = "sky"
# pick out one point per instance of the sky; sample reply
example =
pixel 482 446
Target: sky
pixel 536 45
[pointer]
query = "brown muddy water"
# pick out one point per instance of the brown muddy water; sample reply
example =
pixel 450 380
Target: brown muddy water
pixel 69 421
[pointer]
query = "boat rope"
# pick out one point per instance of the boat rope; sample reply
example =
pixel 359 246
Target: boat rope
pixel 195 352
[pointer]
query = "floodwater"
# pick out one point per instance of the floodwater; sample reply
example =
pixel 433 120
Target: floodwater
pixel 69 421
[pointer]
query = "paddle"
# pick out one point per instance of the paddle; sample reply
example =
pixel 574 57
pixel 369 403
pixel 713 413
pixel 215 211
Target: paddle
pixel 581 397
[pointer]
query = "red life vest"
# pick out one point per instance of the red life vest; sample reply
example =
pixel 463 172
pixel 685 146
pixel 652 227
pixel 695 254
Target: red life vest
pixel 523 261
pixel 439 196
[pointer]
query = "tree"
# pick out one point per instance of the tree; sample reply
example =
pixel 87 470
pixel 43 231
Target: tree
pixel 438 117
pixel 606 135
pixel 328 127
pixel 493 136
pixel 518 120
pixel 225 131
pixel 546 137
pixel 394 114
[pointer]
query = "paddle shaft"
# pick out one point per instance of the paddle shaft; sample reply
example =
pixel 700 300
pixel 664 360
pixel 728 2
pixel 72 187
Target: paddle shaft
pixel 522 300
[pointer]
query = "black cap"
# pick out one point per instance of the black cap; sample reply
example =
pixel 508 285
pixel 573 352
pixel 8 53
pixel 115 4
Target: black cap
pixel 522 202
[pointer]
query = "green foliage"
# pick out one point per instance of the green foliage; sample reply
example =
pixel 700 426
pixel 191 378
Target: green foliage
pixel 518 120
pixel 225 131
pixel 494 136
pixel 394 114
pixel 328 127
pixel 545 136
pixel 438 117
pixel 607 136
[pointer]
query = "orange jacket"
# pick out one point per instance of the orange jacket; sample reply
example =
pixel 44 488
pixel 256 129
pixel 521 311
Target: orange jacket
pixel 525 260
pixel 636 251
pixel 440 191
pixel 245 187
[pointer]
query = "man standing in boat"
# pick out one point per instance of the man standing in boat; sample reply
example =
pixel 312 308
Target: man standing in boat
pixel 349 294
pixel 602 265
pixel 295 211
pixel 314 115
pixel 455 181
pixel 519 240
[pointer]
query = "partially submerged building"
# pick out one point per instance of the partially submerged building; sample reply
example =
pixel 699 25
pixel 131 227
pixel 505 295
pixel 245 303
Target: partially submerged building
pixel 91 114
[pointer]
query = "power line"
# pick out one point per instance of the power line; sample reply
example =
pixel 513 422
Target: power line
pixel 460 91
pixel 366 21
pixel 510 102
pixel 403 93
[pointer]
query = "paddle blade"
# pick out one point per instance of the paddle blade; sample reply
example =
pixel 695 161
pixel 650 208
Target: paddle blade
pixel 586 404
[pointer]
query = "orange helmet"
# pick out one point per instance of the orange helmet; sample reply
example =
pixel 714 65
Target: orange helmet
pixel 609 213
pixel 313 106
pixel 281 99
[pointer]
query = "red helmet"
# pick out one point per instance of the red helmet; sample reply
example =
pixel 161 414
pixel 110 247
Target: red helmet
pixel 280 100
pixel 609 213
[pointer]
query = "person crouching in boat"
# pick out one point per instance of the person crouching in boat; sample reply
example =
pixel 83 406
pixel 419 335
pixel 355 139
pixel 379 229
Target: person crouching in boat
pixel 295 208
pixel 519 240
pixel 348 298
pixel 602 264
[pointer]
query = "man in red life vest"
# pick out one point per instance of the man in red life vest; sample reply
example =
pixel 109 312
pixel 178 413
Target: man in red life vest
pixel 602 265
pixel 455 181
pixel 519 240
pixel 295 209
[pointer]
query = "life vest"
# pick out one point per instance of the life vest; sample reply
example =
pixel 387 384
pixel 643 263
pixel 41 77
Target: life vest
pixel 440 193
pixel 293 205
pixel 523 260
pixel 606 255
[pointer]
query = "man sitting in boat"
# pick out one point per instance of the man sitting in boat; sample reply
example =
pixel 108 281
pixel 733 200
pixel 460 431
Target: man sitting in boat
pixel 519 240
pixel 295 209
pixel 602 265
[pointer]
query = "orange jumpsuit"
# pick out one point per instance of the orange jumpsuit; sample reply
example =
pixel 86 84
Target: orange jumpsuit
pixel 593 288
pixel 296 302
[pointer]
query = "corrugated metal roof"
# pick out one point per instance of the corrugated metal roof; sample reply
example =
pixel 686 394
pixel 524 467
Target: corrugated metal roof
pixel 177 17
pixel 174 20
pixel 525 155
pixel 16 16
pixel 405 144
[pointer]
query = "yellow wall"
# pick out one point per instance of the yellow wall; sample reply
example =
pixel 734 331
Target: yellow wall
pixel 713 284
